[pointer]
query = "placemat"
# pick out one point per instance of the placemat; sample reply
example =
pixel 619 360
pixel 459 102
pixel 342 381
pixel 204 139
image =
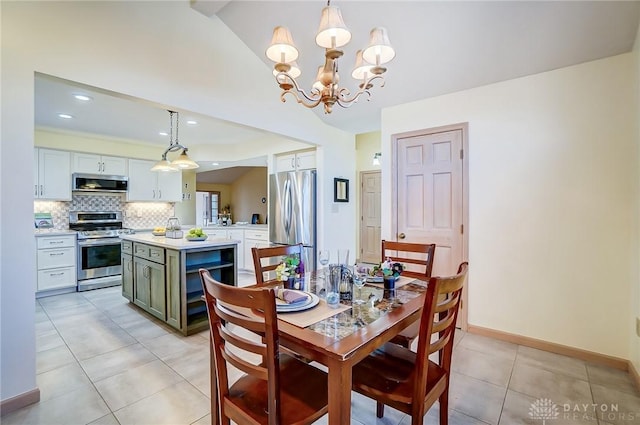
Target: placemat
pixel 306 318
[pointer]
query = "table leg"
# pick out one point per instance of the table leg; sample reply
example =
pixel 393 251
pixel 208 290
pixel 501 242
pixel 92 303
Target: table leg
pixel 339 392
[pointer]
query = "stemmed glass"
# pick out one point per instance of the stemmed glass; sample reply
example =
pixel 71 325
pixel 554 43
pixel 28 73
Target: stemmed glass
pixel 323 257
pixel 359 279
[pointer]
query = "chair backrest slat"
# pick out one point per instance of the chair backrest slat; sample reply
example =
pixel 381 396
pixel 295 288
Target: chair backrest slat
pixel 417 257
pixel 265 260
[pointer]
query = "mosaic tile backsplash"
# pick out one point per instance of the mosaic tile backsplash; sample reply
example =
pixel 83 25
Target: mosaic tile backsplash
pixel 137 215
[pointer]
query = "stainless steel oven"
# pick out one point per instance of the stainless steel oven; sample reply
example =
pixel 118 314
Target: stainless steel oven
pixel 99 261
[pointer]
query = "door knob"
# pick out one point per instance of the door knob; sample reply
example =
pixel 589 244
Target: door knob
pixel 402 236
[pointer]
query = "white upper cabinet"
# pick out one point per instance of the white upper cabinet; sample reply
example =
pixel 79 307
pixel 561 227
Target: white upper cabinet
pixel 99 164
pixel 296 161
pixel 147 185
pixel 52 174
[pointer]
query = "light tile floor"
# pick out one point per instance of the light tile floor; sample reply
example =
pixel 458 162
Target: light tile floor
pixel 102 361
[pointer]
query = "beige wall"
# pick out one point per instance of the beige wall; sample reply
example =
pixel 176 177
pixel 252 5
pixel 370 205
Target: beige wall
pixel 247 192
pixel 367 144
pixel 634 339
pixel 553 186
pixel 96 144
pixel 225 193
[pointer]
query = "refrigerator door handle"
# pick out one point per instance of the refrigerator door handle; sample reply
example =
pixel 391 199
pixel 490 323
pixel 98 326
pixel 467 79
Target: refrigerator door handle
pixel 287 207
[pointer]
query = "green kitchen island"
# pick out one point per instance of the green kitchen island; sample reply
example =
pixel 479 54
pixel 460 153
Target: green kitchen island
pixel 160 276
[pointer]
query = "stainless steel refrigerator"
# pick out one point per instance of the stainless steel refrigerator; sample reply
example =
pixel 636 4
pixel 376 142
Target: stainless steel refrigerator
pixel 292 212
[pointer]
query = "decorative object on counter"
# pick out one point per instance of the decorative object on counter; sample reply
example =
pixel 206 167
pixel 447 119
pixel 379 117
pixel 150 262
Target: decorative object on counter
pixel 224 217
pixel 159 231
pixel 289 271
pixel 340 190
pixel 331 35
pixel 173 230
pixel 196 234
pixel 43 220
pixel 182 162
pixel 255 218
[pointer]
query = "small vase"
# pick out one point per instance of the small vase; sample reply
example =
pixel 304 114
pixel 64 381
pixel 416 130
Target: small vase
pixel 290 283
pixel 389 282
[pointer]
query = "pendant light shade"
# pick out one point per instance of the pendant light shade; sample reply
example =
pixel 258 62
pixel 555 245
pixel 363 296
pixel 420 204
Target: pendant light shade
pixel 184 162
pixel 332 32
pixel 379 50
pixel 164 166
pixel 282 48
pixel 362 69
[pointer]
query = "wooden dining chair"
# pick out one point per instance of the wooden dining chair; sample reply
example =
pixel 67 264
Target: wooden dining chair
pixel 408 381
pixel 265 260
pixel 275 388
pixel 418 259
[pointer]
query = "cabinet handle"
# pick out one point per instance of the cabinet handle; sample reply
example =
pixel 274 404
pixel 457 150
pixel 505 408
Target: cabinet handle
pixel 293 165
pixel 103 166
pixel 55 242
pixel 129 266
pixel 41 190
pixel 55 254
pixel 154 194
pixel 36 190
pixel 145 271
pixel 159 194
pixel 98 166
pixel 56 274
pixel 297 162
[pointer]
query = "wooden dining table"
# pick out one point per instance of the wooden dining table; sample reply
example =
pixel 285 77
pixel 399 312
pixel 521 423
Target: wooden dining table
pixel 339 341
pixel 342 340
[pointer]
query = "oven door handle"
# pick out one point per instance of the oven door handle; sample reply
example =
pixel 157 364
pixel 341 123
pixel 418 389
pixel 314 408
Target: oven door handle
pixel 99 242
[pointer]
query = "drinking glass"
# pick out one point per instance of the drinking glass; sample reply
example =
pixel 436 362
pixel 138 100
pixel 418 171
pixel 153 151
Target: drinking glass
pixel 323 257
pixel 359 279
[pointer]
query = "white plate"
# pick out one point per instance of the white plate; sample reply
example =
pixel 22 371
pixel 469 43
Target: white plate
pixel 283 307
pixel 199 238
pixel 158 233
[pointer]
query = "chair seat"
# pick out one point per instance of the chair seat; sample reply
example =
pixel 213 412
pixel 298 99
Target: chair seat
pixel 388 375
pixel 303 394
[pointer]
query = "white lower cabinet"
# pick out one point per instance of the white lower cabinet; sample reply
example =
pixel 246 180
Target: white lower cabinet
pixel 254 239
pixel 56 262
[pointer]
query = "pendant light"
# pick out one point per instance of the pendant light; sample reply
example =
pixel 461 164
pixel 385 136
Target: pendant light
pixel 183 162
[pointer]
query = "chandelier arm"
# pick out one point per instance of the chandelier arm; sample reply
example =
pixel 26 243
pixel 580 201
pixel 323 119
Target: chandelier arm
pixel 311 99
pixel 365 86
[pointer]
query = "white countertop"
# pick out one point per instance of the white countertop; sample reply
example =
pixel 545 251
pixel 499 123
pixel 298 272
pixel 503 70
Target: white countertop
pixel 178 244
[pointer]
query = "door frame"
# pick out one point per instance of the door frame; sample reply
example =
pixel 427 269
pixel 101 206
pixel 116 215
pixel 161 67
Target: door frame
pixel 463 316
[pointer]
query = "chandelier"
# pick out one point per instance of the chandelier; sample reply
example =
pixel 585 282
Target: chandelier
pixel 331 35
pixel 182 162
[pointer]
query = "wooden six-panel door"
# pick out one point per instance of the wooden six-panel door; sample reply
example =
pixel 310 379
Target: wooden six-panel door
pixel 370 221
pixel 430 196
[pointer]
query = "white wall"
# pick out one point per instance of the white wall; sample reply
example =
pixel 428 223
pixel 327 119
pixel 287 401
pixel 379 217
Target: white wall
pixel 551 195
pixel 143 50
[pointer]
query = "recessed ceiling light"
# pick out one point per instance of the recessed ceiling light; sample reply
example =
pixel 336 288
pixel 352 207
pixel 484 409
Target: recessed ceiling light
pixel 82 97
pixel 192 122
pixel 65 116
pixel 215 163
pixel 163 133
